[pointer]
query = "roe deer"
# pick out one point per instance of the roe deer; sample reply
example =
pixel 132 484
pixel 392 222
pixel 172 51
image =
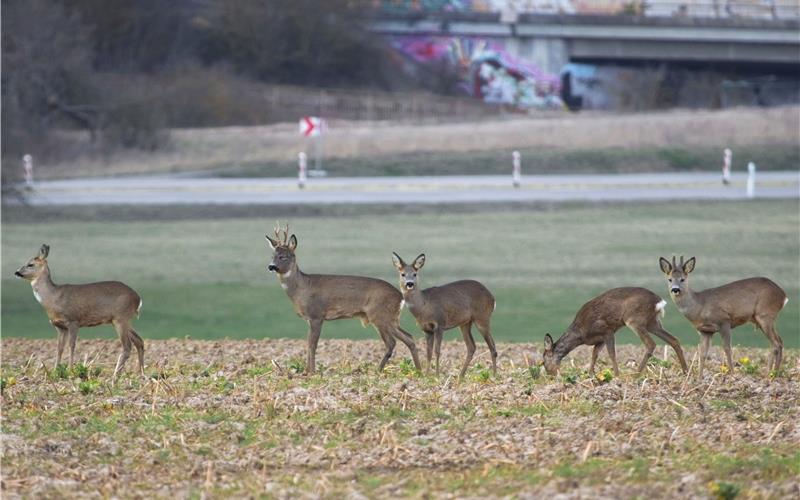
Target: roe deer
pixel 440 308
pixel 753 300
pixel 599 319
pixel 319 297
pixel 70 307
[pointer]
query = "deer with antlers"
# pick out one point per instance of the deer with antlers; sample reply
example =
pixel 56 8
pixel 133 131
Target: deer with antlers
pixel 70 307
pixel 597 321
pixel 440 308
pixel 720 309
pixel 321 297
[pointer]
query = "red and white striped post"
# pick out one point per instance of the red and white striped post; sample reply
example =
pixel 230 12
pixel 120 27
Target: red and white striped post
pixel 516 172
pixel 301 170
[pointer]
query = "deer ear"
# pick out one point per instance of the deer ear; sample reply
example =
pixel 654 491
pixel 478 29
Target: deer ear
pixel 548 342
pixel 419 262
pixel 689 265
pixel 292 243
pixel 397 261
pixel 272 243
pixel 666 267
pixel 44 251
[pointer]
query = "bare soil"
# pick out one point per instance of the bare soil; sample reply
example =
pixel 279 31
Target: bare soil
pixel 234 418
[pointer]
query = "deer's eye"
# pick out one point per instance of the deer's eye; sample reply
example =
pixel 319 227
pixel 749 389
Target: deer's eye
pixel 415 275
pixel 669 279
pixel 403 275
pixel 683 279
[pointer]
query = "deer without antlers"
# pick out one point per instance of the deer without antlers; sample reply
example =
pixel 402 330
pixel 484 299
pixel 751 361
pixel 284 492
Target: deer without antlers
pixel 440 308
pixel 70 307
pixel 599 319
pixel 320 297
pixel 720 309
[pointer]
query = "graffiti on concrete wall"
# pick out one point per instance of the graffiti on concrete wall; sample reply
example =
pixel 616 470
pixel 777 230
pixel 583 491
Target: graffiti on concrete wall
pixel 485 70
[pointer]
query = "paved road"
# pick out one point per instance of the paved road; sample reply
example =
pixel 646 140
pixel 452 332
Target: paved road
pixel 399 190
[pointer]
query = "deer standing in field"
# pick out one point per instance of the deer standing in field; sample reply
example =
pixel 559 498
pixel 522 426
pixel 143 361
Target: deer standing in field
pixel 440 308
pixel 599 319
pixel 320 297
pixel 70 307
pixel 751 300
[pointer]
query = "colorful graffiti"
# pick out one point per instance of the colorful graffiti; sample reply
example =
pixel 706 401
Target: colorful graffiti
pixel 485 70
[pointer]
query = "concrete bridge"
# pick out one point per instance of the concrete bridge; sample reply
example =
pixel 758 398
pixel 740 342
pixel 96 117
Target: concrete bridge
pixel 551 41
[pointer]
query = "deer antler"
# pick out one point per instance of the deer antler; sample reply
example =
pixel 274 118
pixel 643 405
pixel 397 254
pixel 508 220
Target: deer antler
pixel 674 265
pixel 282 240
pixel 681 264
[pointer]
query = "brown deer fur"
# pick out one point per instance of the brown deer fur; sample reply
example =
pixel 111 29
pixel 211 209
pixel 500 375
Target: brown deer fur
pixel 319 297
pixel 599 319
pixel 720 309
pixel 70 307
pixel 440 308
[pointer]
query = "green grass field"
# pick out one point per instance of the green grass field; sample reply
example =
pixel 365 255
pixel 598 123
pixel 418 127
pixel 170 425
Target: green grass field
pixel 207 278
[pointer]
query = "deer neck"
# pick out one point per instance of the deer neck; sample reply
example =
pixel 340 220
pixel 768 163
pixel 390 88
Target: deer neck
pixel 688 303
pixel 564 345
pixel 292 279
pixel 43 287
pixel 414 298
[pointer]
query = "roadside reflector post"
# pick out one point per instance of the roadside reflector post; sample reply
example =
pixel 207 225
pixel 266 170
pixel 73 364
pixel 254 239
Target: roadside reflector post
pixel 301 170
pixel 516 173
pixel 27 162
pixel 751 180
pixel 726 166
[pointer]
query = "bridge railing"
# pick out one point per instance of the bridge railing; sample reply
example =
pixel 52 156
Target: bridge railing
pixel 508 9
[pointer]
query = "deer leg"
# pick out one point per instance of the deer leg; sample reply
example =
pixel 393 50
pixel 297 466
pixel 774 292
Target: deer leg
pixel 767 325
pixel 595 352
pixel 73 340
pixel 706 341
pixel 656 329
pixel 139 344
pixel 408 340
pixel 466 332
pixel 483 327
pixel 389 342
pixel 126 348
pixel 725 333
pixel 649 345
pixel 612 353
pixel 429 347
pixel 62 341
pixel 314 331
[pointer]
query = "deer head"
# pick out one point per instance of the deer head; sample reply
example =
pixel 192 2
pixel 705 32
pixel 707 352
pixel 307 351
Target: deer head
pixel 408 273
pixel 283 246
pixel 35 266
pixel 677 274
pixel 549 356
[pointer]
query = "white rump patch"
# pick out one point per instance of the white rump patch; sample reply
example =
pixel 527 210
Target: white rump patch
pixel 785 301
pixel 661 307
pixel 403 304
pixel 140 306
pixel 494 307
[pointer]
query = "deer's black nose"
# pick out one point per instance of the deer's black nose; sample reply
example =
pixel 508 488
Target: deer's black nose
pixel 675 289
pixel 409 284
pixel 272 267
pixel 18 274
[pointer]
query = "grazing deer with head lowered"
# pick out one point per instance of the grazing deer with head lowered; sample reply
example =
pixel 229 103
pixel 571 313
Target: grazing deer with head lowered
pixel 440 308
pixel 599 319
pixel 320 297
pixel 751 300
pixel 70 307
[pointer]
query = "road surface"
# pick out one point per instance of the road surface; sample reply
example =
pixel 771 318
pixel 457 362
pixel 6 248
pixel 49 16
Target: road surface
pixel 164 190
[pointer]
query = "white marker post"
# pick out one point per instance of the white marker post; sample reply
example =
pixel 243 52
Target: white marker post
pixel 751 180
pixel 27 161
pixel 726 166
pixel 301 170
pixel 516 173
